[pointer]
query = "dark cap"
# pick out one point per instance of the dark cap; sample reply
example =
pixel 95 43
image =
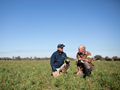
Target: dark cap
pixel 60 46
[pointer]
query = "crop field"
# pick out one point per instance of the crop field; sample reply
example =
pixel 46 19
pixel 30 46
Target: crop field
pixel 36 75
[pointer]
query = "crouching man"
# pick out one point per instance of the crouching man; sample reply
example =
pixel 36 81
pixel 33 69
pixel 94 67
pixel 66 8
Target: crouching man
pixel 84 62
pixel 57 61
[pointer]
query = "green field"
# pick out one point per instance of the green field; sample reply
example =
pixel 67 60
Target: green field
pixel 36 75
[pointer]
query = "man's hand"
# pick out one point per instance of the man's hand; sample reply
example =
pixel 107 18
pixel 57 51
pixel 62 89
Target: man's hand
pixel 80 59
pixel 86 60
pixel 55 74
pixel 83 59
pixel 68 60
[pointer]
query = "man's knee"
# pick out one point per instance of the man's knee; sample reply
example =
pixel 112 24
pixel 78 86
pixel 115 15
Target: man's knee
pixel 91 67
pixel 67 65
pixel 56 73
pixel 87 65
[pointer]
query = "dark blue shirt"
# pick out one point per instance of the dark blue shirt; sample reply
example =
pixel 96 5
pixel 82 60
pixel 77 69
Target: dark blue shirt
pixel 57 60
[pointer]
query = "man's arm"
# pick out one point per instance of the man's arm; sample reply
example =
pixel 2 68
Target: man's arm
pixel 52 63
pixel 88 58
pixel 79 58
pixel 67 61
pixel 85 59
pixel 78 66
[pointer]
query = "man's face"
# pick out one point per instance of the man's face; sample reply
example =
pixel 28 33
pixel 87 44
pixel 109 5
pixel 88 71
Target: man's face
pixel 81 50
pixel 60 49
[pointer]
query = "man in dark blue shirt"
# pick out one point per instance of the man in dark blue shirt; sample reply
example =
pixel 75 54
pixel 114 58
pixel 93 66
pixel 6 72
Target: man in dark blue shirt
pixel 57 61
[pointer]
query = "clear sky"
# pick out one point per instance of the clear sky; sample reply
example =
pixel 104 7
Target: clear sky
pixel 35 27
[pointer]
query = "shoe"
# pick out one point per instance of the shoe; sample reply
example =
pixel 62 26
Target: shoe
pixel 85 76
pixel 61 73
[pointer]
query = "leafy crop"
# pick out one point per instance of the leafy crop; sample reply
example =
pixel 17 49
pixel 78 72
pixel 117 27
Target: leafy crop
pixel 36 75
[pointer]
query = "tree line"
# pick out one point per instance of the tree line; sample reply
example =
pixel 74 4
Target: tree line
pixel 99 57
pixel 28 58
pixel 95 58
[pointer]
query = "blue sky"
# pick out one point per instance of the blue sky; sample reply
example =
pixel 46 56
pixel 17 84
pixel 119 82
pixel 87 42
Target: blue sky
pixel 35 27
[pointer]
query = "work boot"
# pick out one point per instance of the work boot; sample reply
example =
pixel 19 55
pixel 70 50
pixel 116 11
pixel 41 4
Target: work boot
pixel 86 73
pixel 89 73
pixel 61 73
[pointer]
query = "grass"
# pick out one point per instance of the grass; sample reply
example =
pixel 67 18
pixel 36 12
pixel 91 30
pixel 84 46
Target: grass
pixel 36 75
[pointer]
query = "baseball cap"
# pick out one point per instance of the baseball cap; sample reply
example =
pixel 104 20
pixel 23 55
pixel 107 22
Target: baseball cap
pixel 60 46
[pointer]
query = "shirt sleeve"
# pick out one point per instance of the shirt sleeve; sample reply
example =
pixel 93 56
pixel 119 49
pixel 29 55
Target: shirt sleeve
pixel 89 57
pixel 52 61
pixel 77 57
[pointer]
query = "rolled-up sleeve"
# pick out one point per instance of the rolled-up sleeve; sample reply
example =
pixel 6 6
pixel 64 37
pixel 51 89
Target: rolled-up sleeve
pixel 52 61
pixel 89 57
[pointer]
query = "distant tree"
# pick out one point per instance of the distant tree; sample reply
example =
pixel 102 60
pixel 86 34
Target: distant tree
pixel 27 58
pixel 7 58
pixel 13 58
pixel 103 59
pixel 118 59
pixel 98 57
pixel 46 58
pixel 4 58
pixel 38 58
pixel 30 58
pixel 35 58
pixel 115 58
pixel 18 58
pixel 108 59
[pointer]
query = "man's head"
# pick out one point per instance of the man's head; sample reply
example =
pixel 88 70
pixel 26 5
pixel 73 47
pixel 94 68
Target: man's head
pixel 60 47
pixel 81 49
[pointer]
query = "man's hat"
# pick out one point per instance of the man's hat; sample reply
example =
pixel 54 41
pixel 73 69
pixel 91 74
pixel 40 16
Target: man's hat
pixel 60 46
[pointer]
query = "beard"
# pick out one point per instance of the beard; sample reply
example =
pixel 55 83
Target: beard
pixel 60 51
pixel 82 52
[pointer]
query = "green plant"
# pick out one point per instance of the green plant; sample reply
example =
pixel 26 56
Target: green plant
pixel 21 75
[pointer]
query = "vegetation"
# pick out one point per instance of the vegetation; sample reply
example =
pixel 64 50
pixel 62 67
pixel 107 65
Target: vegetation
pixel 36 75
pixel 96 57
pixel 27 58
